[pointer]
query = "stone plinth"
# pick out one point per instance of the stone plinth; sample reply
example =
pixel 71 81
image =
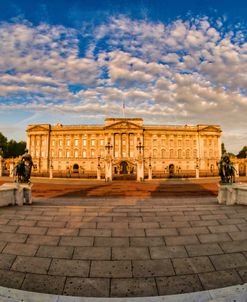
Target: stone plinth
pixel 14 193
pixel 108 168
pixel 140 170
pixel 230 194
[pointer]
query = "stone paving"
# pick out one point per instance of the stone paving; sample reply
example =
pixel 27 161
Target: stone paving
pixel 123 246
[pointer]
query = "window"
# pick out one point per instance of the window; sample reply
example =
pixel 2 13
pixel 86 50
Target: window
pixel 53 142
pixel 67 153
pixel 187 153
pixel 92 153
pixel 163 153
pixel 101 142
pixel 179 143
pixel 179 153
pixel 84 142
pixel 60 142
pixel 154 153
pixel 84 153
pixel 93 142
pixel 171 153
pixel 68 142
pixel 154 142
pixel 76 153
pixel 60 153
pixel 195 153
pixel 163 142
pixel 76 142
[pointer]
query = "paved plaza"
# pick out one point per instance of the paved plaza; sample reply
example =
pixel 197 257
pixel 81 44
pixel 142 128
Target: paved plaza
pixel 123 246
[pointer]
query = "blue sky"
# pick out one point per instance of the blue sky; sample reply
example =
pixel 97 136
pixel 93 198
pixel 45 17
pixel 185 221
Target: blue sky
pixel 171 62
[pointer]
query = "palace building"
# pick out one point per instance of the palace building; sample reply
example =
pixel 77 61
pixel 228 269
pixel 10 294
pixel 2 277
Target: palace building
pixel 166 151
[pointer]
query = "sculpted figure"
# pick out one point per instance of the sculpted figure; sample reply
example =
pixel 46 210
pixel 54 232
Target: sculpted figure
pixel 226 170
pixel 23 168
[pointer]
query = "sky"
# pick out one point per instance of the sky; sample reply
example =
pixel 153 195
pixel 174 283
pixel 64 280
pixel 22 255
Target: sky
pixel 170 62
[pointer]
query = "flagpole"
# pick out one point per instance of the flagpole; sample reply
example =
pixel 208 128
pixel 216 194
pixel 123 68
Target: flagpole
pixel 123 108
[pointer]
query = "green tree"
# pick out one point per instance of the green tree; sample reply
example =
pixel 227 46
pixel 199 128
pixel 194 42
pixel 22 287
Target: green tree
pixel 3 144
pixel 242 153
pixel 11 148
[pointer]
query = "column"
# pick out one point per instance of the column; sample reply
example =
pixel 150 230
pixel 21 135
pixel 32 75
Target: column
pixel 127 145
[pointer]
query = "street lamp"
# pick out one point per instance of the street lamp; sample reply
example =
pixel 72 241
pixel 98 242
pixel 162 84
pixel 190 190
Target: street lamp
pixel 108 147
pixel 140 147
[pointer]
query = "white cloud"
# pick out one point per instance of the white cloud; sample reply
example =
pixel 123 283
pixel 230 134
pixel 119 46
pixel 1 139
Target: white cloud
pixel 182 72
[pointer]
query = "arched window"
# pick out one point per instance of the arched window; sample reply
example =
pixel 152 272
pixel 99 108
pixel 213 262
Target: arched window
pixel 84 153
pixel 154 153
pixel 171 153
pixel 163 153
pixel 179 153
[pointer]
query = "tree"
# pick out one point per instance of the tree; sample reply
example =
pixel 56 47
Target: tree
pixel 242 153
pixel 3 144
pixel 11 148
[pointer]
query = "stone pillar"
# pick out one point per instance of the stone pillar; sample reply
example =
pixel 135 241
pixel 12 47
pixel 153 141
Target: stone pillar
pixel 51 171
pixel 140 169
pixel 197 173
pixel 108 168
pixel 11 169
pixel 236 166
pixel 149 172
pixel 98 173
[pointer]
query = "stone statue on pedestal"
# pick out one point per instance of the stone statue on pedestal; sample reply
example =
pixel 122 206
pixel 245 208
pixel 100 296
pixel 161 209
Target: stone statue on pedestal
pixel 226 170
pixel 23 168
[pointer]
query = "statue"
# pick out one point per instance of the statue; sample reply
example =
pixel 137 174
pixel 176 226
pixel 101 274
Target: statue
pixel 226 170
pixel 24 167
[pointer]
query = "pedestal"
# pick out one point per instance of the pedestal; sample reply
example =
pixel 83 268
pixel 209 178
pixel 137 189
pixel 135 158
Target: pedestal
pixel 26 190
pixel 11 169
pixel 108 169
pixel 140 170
pixel 50 173
pixel 98 174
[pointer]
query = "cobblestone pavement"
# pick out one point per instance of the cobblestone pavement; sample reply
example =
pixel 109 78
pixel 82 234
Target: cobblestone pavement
pixel 123 246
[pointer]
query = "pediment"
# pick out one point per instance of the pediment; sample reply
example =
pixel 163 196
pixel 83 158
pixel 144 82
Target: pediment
pixel 38 128
pixel 211 129
pixel 125 125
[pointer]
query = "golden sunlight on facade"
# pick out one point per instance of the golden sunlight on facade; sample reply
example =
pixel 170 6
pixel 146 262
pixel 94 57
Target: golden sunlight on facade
pixel 82 150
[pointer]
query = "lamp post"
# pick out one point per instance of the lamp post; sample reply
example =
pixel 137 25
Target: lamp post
pixel 149 168
pixel 140 148
pixel 140 162
pixel 51 169
pixel 98 169
pixel 197 167
pixel 108 162
pixel 108 147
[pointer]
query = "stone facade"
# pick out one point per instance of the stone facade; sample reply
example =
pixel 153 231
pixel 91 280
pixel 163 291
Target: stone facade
pixel 82 150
